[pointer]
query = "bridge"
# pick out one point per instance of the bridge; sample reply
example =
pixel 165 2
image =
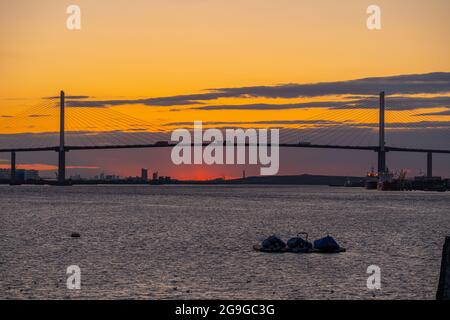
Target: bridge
pixel 63 148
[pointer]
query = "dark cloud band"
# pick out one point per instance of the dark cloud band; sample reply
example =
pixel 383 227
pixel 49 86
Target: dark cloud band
pixel 431 83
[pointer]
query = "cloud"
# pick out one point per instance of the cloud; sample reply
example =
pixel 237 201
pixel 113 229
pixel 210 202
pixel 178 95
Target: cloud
pixel 392 103
pixel 410 125
pixel 437 82
pixel 265 106
pixel 431 83
pixel 38 115
pixel 45 167
pixel 82 167
pixel 33 166
pixel 439 113
pixel 138 129
pixel 400 103
pixel 156 102
pixel 69 97
pixel 242 123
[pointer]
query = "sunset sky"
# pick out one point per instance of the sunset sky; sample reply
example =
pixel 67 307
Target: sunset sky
pixel 265 63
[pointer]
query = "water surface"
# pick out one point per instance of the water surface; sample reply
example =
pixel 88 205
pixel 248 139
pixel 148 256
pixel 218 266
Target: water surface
pixel 195 242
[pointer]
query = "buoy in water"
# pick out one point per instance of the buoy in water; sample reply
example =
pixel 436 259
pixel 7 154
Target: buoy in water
pixel 75 235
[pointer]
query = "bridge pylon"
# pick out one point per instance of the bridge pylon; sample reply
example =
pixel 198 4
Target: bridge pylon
pixel 13 179
pixel 381 141
pixel 61 149
pixel 429 165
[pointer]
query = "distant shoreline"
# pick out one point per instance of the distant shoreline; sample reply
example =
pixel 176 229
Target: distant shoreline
pixel 291 180
pixel 305 179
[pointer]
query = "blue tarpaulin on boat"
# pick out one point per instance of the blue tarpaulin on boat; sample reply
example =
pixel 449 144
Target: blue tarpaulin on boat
pixel 273 242
pixel 327 243
pixel 298 242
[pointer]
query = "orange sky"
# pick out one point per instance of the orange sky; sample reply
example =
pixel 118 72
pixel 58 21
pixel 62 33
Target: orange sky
pixel 158 48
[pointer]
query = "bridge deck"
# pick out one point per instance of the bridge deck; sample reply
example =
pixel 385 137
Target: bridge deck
pixel 281 145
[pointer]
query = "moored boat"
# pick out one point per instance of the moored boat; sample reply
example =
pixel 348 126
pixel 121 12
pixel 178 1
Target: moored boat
pixel 371 180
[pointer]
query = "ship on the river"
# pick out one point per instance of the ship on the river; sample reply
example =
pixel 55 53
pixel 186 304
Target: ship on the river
pixel 371 180
pixel 388 181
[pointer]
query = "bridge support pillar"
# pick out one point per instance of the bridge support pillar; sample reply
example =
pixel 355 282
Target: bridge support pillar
pixel 381 161
pixel 429 164
pixel 61 151
pixel 381 141
pixel 61 167
pixel 13 168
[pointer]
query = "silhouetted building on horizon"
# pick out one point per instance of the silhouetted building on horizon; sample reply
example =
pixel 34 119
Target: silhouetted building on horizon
pixel 76 177
pixel 21 175
pixel 144 174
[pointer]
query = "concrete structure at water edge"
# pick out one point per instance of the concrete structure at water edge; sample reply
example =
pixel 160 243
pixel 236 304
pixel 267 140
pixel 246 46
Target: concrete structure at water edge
pixel 443 292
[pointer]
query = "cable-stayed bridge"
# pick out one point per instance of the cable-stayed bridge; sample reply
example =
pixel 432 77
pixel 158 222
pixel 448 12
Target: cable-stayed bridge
pixel 347 126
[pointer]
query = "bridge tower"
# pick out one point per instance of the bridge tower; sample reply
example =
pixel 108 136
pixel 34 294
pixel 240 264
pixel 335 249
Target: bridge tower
pixel 429 165
pixel 13 168
pixel 61 150
pixel 382 141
